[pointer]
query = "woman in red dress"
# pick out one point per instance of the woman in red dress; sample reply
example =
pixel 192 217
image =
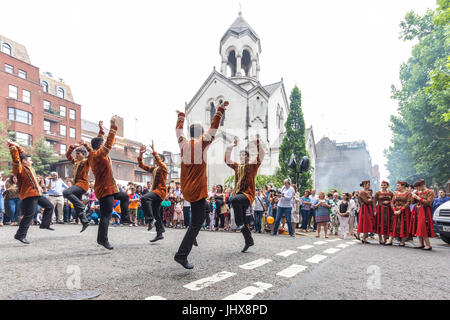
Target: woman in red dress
pixel 421 218
pixel 366 220
pixel 383 200
pixel 399 225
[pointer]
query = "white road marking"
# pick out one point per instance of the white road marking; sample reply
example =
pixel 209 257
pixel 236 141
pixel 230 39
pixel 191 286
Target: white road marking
pixel 316 259
pixel 342 245
pixel 320 242
pixel 356 240
pixel 332 250
pixel 291 270
pixel 351 242
pixel 255 264
pixel 334 240
pixel 249 292
pixel 305 247
pixel 155 298
pixel 286 253
pixel 205 282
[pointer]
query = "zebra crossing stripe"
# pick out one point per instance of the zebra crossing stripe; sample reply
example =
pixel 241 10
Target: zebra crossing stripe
pixel 332 250
pixel 206 282
pixel 255 264
pixel 350 242
pixel 155 298
pixel 305 247
pixel 320 242
pixel 333 240
pixel 291 271
pixel 356 240
pixel 316 258
pixel 249 292
pixel 286 253
pixel 342 245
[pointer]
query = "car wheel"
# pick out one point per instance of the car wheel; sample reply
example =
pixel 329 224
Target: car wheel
pixel 445 239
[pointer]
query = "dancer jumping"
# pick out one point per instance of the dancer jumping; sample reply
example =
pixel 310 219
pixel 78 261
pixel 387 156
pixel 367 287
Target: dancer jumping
pixel 244 190
pixel 193 176
pixel 30 192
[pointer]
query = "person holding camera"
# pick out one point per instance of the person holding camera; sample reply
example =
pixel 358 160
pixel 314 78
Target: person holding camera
pixel 285 207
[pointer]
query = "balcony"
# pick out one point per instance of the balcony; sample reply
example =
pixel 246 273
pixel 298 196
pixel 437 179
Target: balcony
pixel 51 114
pixel 50 136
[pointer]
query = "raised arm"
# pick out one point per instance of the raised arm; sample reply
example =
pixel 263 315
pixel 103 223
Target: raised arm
pixel 106 148
pixel 101 132
pixel 211 133
pixel 16 164
pixel 261 152
pixel 69 154
pixel 141 164
pixel 179 128
pixel 158 160
pixel 233 165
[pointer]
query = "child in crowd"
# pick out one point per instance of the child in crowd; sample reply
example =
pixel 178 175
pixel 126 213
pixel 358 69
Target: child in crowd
pixel 133 206
pixel 116 213
pixel 178 213
pixel 212 213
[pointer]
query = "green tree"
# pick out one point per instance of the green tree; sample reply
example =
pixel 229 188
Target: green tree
pixel 421 132
pixel 43 157
pixel 294 141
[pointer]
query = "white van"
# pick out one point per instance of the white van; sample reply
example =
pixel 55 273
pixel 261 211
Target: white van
pixel 441 221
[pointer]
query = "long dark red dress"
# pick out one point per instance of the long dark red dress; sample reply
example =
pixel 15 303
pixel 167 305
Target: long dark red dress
pixel 384 211
pixel 421 218
pixel 366 220
pixel 400 223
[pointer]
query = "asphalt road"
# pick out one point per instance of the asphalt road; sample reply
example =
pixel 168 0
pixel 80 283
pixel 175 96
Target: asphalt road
pixel 278 267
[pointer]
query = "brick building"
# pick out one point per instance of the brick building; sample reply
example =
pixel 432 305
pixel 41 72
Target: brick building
pixel 36 105
pixel 344 165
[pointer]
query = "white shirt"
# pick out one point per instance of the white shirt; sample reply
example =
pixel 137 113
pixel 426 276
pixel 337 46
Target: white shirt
pixel 286 200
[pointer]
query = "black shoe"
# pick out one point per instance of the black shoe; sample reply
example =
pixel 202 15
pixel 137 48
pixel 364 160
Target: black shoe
pixel 23 240
pixel 247 245
pixel 239 228
pixel 427 248
pixel 158 237
pixel 48 228
pixel 85 225
pixel 421 247
pixel 195 243
pixel 184 262
pixel 365 242
pixel 61 222
pixel 106 244
pixel 150 225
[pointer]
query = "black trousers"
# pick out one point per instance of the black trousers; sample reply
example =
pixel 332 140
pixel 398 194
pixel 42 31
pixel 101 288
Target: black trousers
pixel 198 209
pixel 28 207
pixel 240 204
pixel 151 205
pixel 74 195
pixel 187 216
pixel 106 209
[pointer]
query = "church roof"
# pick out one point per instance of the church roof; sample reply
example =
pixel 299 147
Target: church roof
pixel 240 26
pixel 270 88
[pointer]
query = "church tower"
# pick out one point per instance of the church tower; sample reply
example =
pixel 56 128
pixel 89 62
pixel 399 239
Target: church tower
pixel 240 48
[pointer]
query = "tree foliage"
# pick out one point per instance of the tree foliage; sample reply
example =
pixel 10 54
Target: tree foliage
pixel 294 141
pixel 43 157
pixel 421 131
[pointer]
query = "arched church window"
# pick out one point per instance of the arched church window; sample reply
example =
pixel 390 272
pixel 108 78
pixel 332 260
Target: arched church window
pixel 232 63
pixel 246 62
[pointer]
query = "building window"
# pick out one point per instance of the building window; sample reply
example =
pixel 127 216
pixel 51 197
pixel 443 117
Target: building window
pixel 20 116
pixel 60 92
pixel 72 114
pixel 44 84
pixel 72 133
pixel 24 138
pixel 62 130
pixel 9 69
pixel 47 126
pixel 46 105
pixel 26 96
pixel 62 111
pixel 22 74
pixel 63 149
pixel 13 92
pixel 48 143
pixel 6 48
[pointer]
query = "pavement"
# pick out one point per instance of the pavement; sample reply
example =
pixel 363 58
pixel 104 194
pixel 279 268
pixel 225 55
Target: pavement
pixel 67 264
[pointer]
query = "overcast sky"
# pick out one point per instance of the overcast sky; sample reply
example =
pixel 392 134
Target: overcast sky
pixel 145 59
